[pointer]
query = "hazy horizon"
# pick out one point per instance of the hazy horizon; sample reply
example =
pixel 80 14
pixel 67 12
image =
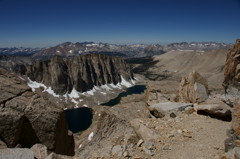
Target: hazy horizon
pixel 47 23
pixel 162 43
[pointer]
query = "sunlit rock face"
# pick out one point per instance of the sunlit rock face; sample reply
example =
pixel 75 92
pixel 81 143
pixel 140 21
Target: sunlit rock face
pixel 232 69
pixel 193 88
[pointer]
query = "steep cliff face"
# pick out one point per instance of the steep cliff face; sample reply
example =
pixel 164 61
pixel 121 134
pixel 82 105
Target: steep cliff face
pixel 15 64
pixel 80 72
pixel 232 67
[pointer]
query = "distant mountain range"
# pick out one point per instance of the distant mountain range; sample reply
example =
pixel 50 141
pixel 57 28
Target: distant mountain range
pixel 69 49
pixel 19 51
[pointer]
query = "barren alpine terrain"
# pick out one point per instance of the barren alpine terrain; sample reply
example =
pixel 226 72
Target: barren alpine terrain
pixel 180 104
pixel 119 79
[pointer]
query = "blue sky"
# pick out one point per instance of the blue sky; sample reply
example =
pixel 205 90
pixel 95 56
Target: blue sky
pixel 40 23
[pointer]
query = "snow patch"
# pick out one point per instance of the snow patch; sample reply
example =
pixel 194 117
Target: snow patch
pixel 80 146
pixel 34 85
pixel 90 136
pixel 106 87
pixel 90 92
pixel 85 105
pixel 74 94
pixel 97 88
pixel 88 45
pixel 50 91
pixel 133 81
pixel 125 83
pixel 74 101
pixel 117 86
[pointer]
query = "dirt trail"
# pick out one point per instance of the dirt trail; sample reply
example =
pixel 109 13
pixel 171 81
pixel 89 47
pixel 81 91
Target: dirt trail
pixel 204 139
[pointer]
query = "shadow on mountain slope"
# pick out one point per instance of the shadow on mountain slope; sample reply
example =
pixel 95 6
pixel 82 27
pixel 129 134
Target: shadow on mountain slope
pixel 142 64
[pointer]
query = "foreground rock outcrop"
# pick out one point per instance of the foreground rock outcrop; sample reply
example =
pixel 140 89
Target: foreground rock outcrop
pixel 81 72
pixel 36 153
pixel 193 88
pixel 111 134
pixel 232 143
pixel 16 153
pixel 232 89
pixel 172 108
pixel 236 120
pixel 232 69
pixel 107 131
pixel 27 118
pixel 215 108
pixel 154 95
pixel 112 137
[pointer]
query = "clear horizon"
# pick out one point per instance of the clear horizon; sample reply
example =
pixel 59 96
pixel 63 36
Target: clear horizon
pixel 45 23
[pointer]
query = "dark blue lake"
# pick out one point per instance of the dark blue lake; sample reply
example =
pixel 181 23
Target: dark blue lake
pixel 137 89
pixel 79 119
